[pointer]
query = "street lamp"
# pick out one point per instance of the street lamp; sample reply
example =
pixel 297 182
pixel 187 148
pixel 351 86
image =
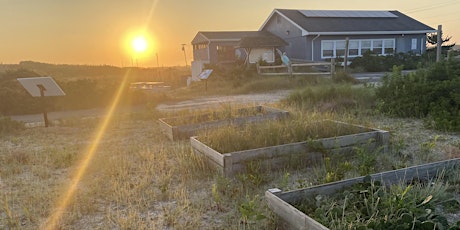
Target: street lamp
pixel 185 55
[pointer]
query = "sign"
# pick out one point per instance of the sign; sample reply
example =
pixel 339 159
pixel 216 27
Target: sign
pixel 36 86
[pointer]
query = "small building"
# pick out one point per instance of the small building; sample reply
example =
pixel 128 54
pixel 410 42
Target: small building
pixel 317 35
pixel 229 47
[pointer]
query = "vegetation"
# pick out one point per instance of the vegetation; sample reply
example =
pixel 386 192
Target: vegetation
pixel 226 112
pixel 431 93
pixel 85 87
pixel 137 178
pixel 297 129
pixel 373 205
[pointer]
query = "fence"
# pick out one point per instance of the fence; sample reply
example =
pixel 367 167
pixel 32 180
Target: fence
pixel 292 69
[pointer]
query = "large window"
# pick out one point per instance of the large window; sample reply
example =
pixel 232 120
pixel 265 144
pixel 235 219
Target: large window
pixel 340 48
pixel 365 46
pixel 389 46
pixel 327 49
pixel 377 46
pixel 353 48
pixel 356 48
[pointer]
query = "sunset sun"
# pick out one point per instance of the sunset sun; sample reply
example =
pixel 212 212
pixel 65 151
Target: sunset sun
pixel 139 44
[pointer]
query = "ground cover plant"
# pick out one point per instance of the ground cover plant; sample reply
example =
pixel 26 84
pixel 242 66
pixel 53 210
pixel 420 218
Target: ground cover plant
pixel 370 204
pixel 137 178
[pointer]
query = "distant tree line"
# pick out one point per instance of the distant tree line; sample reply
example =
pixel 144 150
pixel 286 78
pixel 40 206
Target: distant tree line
pixel 94 91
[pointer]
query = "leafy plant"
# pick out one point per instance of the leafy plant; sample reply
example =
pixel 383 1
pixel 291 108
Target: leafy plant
pixel 250 211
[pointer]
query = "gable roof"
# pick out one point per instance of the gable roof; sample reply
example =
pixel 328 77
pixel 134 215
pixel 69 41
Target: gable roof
pixel 208 36
pixel 347 22
pixel 245 39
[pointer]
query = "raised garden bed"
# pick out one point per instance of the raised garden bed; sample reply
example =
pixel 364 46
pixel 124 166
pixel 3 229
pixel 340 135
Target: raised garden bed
pixel 183 127
pixel 284 204
pixel 286 154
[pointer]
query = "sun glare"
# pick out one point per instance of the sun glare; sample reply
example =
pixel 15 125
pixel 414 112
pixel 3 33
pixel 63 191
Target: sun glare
pixel 139 44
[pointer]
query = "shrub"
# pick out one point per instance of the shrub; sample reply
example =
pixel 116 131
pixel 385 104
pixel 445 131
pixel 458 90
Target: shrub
pixel 433 94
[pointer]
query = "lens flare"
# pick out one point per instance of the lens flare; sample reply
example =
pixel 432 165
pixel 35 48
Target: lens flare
pixel 53 221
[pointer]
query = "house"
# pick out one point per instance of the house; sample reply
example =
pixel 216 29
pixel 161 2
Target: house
pixel 317 35
pixel 228 47
pixel 313 35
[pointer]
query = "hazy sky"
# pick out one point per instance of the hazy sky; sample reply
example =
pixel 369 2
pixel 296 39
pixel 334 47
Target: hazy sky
pixel 96 32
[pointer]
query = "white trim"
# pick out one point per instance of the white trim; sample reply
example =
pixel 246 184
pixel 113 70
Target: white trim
pixel 372 32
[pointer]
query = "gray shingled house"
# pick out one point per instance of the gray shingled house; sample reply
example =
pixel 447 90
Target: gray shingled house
pixel 314 35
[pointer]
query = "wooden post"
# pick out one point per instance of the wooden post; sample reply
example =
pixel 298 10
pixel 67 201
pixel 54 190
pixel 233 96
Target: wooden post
pixel 290 69
pixel 42 97
pixel 439 44
pixel 332 67
pixel 345 59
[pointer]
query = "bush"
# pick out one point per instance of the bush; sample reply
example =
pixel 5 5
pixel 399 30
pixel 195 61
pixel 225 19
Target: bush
pixel 433 94
pixel 374 63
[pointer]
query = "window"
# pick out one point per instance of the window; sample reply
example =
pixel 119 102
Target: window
pixel 353 48
pixel 336 48
pixel 377 46
pixel 389 46
pixel 365 46
pixel 414 44
pixel 340 48
pixel 327 49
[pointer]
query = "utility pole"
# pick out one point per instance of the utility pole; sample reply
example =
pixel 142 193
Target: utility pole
pixel 185 55
pixel 439 44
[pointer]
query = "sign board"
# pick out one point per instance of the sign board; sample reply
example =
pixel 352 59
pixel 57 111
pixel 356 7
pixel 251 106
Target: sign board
pixel 205 74
pixel 34 85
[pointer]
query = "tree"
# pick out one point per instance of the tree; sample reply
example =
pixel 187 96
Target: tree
pixel 433 40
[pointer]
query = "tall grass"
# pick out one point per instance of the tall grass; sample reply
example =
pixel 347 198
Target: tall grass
pixel 298 129
pixel 140 179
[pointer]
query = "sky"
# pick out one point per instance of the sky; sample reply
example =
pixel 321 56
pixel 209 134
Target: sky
pixel 99 32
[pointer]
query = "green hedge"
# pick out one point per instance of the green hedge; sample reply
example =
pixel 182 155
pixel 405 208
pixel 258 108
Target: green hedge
pixel 433 94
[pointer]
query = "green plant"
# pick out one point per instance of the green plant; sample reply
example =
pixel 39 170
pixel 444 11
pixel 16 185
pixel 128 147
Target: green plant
pixel 371 204
pixel 249 210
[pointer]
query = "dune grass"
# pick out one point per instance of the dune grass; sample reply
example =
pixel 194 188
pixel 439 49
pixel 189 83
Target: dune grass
pixel 139 179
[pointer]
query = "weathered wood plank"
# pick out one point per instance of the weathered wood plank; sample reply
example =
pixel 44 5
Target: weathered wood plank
pixel 295 218
pixel 207 151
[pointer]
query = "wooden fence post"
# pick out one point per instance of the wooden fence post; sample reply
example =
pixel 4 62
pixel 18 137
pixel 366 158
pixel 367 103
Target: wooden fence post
pixel 332 67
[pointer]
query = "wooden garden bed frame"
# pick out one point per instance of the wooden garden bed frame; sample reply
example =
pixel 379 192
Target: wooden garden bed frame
pixel 280 202
pixel 306 152
pixel 186 131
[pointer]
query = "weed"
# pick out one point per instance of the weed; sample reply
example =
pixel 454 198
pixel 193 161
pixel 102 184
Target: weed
pixel 249 211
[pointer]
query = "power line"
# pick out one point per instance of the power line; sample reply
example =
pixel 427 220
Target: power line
pixel 438 5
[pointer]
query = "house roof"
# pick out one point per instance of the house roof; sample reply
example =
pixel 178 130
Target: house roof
pixel 348 22
pixel 245 39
